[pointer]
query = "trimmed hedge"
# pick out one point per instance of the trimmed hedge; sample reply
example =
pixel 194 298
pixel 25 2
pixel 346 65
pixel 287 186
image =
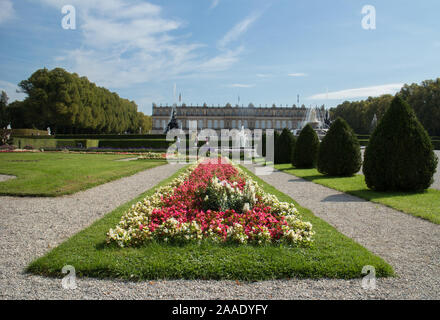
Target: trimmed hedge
pixel 112 136
pixel 54 143
pixel 339 152
pixel 135 143
pixel 400 155
pixel 28 133
pixel 284 146
pixel 305 154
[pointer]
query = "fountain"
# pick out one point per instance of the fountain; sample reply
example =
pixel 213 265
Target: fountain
pixel 318 119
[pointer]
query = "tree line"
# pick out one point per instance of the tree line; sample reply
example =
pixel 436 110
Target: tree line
pixel 70 104
pixel 424 98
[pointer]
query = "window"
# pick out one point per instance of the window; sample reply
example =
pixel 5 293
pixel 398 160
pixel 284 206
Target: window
pixel 215 124
pixel 163 124
pixel 233 124
pixel 209 124
pixel 245 124
pixel 200 124
pixel 257 124
pixel 157 124
pixel 222 124
pixel 269 124
pixel 284 124
pixel 278 124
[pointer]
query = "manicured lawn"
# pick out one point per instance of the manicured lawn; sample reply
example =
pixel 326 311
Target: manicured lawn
pixel 54 174
pixel 332 255
pixel 425 204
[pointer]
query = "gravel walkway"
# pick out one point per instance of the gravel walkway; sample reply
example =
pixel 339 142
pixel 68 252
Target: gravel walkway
pixel 6 177
pixel 411 245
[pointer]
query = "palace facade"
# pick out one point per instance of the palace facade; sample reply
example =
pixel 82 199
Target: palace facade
pixel 228 117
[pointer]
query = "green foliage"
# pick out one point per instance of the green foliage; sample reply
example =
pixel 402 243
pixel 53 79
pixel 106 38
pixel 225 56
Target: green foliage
pixel 68 103
pixel 112 136
pixel 424 98
pixel 4 116
pixel 305 153
pixel 359 114
pixel 55 143
pixel 400 154
pixel 284 146
pixel 31 133
pixel 339 152
pixel 135 143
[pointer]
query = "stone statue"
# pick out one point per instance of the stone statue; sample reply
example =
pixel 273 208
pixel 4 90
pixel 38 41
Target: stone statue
pixel 173 122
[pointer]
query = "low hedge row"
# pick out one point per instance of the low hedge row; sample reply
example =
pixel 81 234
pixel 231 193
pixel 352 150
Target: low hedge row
pixel 29 133
pixel 54 143
pixel 135 143
pixel 111 136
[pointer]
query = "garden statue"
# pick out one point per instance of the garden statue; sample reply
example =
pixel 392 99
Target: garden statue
pixel 48 131
pixel 173 122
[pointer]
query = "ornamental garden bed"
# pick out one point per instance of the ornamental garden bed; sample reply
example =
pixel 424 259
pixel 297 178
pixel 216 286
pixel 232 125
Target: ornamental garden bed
pixel 211 221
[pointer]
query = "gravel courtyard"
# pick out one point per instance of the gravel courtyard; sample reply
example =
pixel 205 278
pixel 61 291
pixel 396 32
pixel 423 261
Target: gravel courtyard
pixel 29 227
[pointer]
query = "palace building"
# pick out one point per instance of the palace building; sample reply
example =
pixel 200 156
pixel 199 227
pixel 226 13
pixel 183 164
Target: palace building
pixel 228 117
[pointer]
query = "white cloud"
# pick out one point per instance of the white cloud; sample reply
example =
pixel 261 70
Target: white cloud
pixel 240 85
pixel 299 74
pixel 11 91
pixel 360 92
pixel 131 42
pixel 6 10
pixel 263 75
pixel 238 30
pixel 214 4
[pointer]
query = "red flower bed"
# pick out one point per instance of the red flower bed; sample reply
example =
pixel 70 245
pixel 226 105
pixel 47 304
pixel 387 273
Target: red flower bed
pixel 181 213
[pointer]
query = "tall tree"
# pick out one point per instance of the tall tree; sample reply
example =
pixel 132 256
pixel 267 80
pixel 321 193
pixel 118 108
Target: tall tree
pixel 71 104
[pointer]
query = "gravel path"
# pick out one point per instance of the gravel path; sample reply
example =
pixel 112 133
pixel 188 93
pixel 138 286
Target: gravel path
pixel 411 245
pixel 6 177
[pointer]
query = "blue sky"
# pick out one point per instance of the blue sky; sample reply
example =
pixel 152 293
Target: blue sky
pixel 216 50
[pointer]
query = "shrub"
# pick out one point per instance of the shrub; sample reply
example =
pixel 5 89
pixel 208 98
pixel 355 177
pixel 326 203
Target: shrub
pixel 339 152
pixel 399 156
pixel 284 147
pixel 305 153
pixel 134 143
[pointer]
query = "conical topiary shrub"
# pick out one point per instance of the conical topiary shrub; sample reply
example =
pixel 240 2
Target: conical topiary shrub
pixel 306 149
pixel 399 156
pixel 284 147
pixel 339 152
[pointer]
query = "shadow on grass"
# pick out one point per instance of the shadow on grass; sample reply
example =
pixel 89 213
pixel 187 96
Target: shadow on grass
pixel 365 193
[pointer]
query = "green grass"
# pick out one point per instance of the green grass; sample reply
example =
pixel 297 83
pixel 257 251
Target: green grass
pixel 55 174
pixel 424 204
pixel 332 255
